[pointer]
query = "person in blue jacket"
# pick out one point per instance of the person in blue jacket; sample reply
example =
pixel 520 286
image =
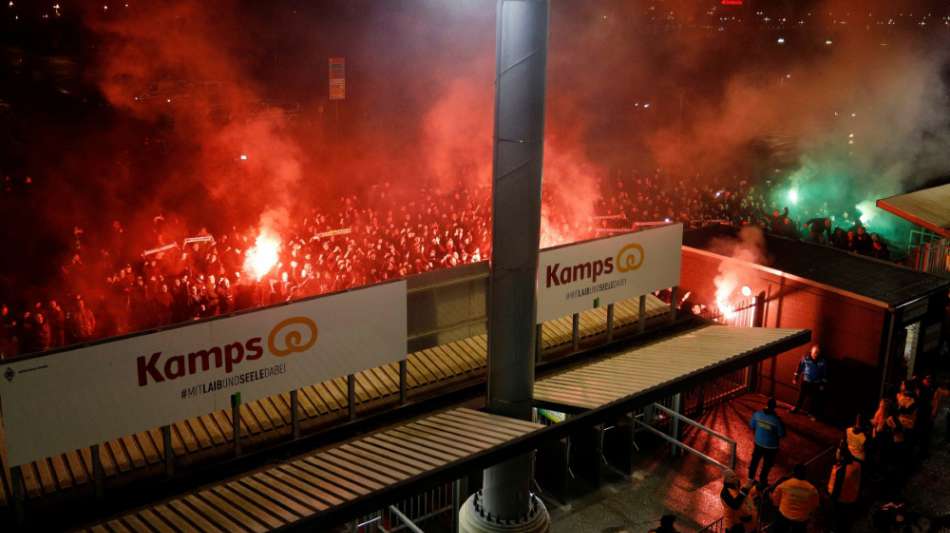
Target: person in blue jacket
pixel 769 430
pixel 813 373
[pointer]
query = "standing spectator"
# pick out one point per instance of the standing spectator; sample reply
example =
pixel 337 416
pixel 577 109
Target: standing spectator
pixel 797 500
pixel 940 396
pixel 839 239
pixel 769 430
pixel 888 437
pixel 844 487
pixel 879 248
pixel 813 372
pixel 925 422
pixel 81 323
pixel 44 335
pixel 8 333
pixel 862 241
pixel 907 415
pixel 819 230
pixel 57 323
pixel 666 525
pixel 856 438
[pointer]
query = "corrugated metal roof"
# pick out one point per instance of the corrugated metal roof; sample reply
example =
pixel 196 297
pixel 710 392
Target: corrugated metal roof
pixel 881 281
pixel 929 208
pixel 306 487
pixel 656 365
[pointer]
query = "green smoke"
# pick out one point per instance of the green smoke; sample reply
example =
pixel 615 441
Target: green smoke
pixel 831 187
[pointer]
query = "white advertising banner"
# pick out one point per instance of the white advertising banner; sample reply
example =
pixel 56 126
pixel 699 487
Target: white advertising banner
pixel 578 277
pixel 73 399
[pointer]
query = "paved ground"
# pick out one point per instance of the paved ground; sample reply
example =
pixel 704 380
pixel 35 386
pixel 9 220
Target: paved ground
pixel 687 486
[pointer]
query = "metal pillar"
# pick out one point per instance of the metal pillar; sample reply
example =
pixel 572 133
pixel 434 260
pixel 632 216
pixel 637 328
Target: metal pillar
pixel 610 322
pixel 168 452
pixel 539 343
pixel 294 415
pixel 236 423
pixel 642 317
pixel 675 423
pixel 674 295
pixel 521 57
pixel 351 395
pixel 97 474
pixel 19 494
pixel 403 383
pixel 575 332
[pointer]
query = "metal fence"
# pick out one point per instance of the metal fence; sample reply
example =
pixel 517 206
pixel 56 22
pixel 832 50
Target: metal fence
pixel 435 510
pixel 742 313
pixel 718 526
pixel 929 252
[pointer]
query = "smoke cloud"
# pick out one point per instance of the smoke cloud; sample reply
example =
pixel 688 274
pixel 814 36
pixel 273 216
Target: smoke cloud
pixel 215 114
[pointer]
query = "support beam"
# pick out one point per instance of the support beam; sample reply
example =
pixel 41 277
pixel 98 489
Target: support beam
pixel 521 61
pixel 610 322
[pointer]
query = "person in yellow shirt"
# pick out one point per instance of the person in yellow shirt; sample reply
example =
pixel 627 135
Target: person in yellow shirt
pixel 856 437
pixel 797 500
pixel 844 487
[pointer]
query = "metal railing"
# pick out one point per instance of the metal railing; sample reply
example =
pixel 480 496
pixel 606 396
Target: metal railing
pixel 928 252
pixel 717 526
pixel 679 444
pixel 436 509
pixel 742 314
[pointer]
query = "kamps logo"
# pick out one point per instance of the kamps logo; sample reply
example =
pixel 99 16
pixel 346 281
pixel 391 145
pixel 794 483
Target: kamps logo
pixel 293 335
pixel 296 334
pixel 629 258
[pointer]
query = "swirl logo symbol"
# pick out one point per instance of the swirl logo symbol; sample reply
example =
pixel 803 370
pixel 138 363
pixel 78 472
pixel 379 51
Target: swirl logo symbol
pixel 630 257
pixel 296 334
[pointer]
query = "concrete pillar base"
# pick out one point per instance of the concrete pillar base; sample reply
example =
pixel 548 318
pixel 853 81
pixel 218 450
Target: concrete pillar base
pixel 473 519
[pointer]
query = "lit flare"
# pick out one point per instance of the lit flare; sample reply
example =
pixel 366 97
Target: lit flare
pixel 261 258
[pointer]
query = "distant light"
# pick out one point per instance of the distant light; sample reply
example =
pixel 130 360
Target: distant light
pixel 105 8
pixel 780 40
pixel 828 42
pixel 168 100
pixel 646 105
pixel 851 136
pixel 793 196
pixel 746 291
pixel 243 157
pixel 666 219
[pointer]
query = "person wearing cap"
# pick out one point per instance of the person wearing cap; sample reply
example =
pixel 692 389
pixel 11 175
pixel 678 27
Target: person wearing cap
pixel 769 430
pixel 797 500
pixel 738 504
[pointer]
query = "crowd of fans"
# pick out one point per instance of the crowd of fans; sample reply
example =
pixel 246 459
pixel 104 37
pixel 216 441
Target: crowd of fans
pixel 698 201
pixel 120 283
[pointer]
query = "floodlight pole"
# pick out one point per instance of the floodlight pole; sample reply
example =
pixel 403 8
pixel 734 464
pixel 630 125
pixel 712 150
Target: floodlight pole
pixel 521 59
